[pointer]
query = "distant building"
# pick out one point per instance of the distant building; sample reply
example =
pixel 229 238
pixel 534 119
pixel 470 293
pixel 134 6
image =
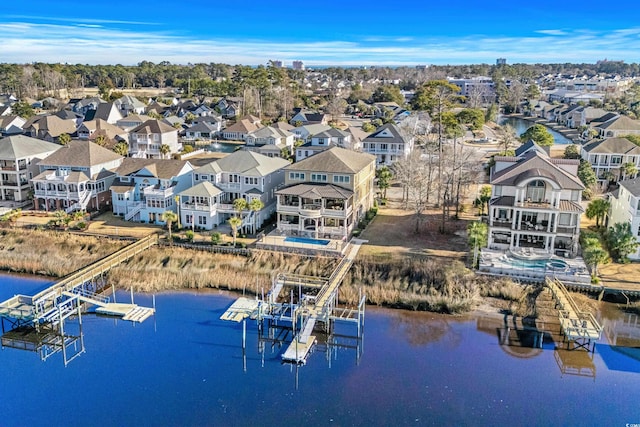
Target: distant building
pixel 276 63
pixel 501 61
pixel 298 65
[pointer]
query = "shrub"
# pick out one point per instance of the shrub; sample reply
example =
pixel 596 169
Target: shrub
pixel 81 225
pixel 189 235
pixel 216 238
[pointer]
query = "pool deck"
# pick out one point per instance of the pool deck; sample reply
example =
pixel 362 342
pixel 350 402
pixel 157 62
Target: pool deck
pixel 277 241
pixel 500 263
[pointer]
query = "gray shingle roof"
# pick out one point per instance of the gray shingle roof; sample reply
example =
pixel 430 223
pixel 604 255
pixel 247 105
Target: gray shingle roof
pixel 631 185
pixel 80 153
pixel 21 146
pixel 533 160
pixel 160 168
pixel 204 189
pixel 334 160
pixel 612 146
pixel 243 162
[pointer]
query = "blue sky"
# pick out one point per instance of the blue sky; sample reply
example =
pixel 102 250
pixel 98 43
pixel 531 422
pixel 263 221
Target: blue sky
pixel 330 32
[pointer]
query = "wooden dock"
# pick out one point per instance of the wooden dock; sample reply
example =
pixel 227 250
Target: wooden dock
pixel 241 309
pixel 578 327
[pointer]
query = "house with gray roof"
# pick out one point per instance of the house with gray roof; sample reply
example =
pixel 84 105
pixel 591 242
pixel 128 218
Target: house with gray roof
pixel 608 156
pixel 325 195
pixel 388 145
pixel 323 140
pixel 242 128
pixel 19 156
pixel 145 188
pixel 76 177
pixel 535 203
pixel 49 127
pixel 128 104
pixel 270 141
pixel 618 126
pixel 147 139
pixel 625 207
pixel 11 125
pixel 240 175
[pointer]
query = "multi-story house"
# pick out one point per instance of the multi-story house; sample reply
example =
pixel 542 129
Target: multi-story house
pixel 76 177
pixel 242 128
pixel 240 175
pixel 19 156
pixel 201 131
pixel 323 140
pixel 147 139
pixel 608 156
pixel 270 136
pixel 535 203
pixel 625 208
pixel 93 128
pixel 11 125
pixel 618 126
pixel 326 195
pixel 48 128
pixel 146 188
pixel 387 144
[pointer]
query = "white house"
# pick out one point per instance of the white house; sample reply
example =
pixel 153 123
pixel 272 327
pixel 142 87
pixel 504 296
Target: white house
pixel 323 140
pixel 146 188
pixel 147 139
pixel 387 144
pixel 625 207
pixel 535 203
pixel 608 156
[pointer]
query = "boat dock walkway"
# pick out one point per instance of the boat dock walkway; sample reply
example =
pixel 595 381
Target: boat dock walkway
pixel 60 300
pixel 318 306
pixel 578 327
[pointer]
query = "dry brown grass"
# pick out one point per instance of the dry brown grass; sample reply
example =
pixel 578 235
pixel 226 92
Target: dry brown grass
pixel 51 253
pixel 160 269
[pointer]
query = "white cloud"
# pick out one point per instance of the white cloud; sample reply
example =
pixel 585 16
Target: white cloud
pixel 91 43
pixel 553 32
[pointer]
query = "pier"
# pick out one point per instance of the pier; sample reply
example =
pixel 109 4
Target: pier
pixel 577 327
pixel 304 303
pixel 36 322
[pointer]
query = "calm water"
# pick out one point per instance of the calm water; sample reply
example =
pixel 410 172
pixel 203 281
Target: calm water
pixel 186 367
pixel 521 127
pixel 222 147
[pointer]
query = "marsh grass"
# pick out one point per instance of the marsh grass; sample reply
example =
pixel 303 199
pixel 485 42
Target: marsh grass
pixel 51 253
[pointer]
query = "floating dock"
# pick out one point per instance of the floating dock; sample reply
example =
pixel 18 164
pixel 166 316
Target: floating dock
pixel 241 309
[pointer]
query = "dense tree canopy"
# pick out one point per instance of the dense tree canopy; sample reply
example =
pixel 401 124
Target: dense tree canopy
pixel 539 134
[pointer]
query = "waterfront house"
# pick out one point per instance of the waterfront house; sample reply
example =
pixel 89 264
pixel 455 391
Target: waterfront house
pixel 535 203
pixel 240 175
pixel 76 177
pixel 201 131
pixel 147 139
pixel 625 208
pixel 270 136
pixel 325 195
pixel 242 128
pixel 387 144
pixel 607 157
pixel 19 155
pixel 146 188
pixel 618 126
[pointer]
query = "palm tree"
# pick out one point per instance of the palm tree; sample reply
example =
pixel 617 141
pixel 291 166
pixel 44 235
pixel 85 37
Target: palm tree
pixel 255 205
pixel 594 254
pixel 169 217
pixel 384 176
pixel 629 170
pixel 121 148
pixel 164 150
pixel 235 222
pixel 477 237
pixel 598 209
pixel 64 139
pixel 240 205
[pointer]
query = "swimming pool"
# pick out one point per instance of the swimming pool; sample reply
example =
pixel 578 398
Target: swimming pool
pixel 307 240
pixel 539 264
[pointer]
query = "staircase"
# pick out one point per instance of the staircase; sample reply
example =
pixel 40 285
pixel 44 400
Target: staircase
pixel 81 205
pixel 133 212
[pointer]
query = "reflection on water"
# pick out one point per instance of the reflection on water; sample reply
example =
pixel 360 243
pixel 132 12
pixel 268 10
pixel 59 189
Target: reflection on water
pixel 47 340
pixel 417 368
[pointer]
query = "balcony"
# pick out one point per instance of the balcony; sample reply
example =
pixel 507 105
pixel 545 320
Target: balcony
pixel 200 207
pixel 229 186
pixel 158 192
pixel 311 211
pixel 535 205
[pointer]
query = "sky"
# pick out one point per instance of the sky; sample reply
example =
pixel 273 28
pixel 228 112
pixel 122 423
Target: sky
pixel 331 32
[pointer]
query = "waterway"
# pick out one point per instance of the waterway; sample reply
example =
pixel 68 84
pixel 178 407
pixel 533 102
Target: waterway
pixel 185 367
pixel 521 126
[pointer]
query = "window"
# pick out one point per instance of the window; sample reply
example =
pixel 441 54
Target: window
pixel 535 190
pixel 616 160
pixel 318 177
pixel 320 141
pixel 250 180
pixel 120 196
pixel 297 176
pixel 341 179
pixel 202 220
pixel 188 219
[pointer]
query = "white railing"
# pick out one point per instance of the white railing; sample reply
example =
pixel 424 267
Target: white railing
pixel 131 213
pixel 151 191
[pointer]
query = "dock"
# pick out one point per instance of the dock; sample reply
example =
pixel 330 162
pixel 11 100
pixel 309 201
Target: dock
pixel 578 328
pixel 36 322
pixel 305 303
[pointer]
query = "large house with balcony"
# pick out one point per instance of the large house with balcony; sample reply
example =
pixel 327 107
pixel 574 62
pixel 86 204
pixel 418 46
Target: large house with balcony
pixel 146 188
pixel 147 139
pixel 19 156
pixel 387 144
pixel 240 175
pixel 625 207
pixel 76 177
pixel 535 204
pixel 325 195
pixel 608 156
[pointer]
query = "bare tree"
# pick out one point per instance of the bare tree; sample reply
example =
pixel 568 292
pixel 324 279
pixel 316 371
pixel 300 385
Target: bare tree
pixel 413 174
